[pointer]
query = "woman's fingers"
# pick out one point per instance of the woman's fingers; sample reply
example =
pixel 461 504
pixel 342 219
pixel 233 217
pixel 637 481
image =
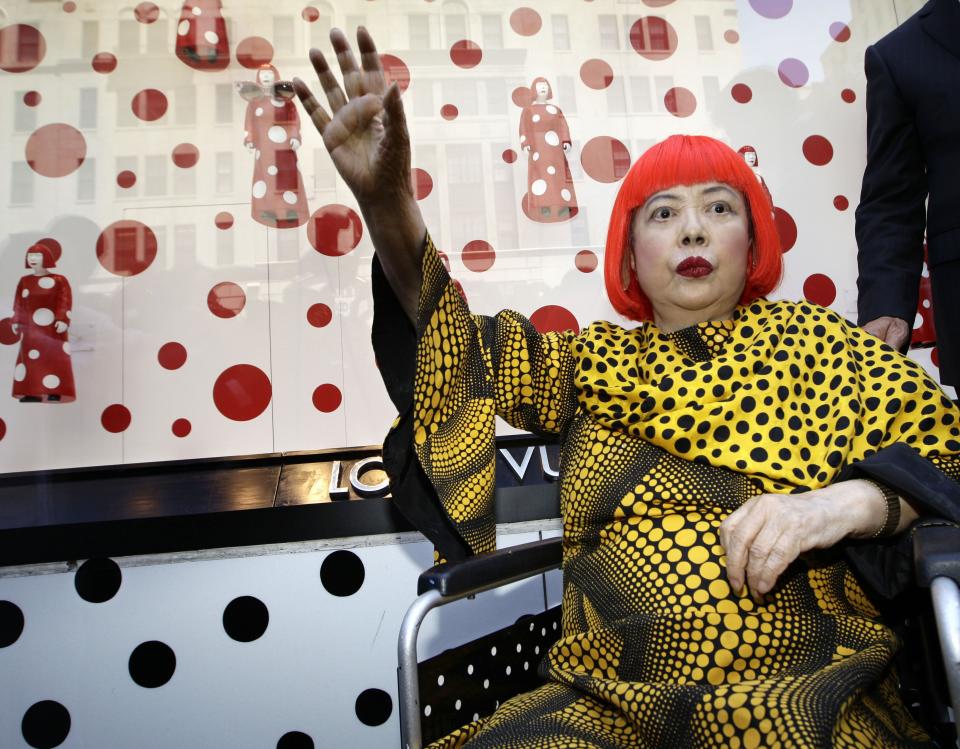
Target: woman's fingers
pixel 769 555
pixel 736 534
pixel 374 82
pixel 354 118
pixel 352 77
pixel 317 113
pixel 329 83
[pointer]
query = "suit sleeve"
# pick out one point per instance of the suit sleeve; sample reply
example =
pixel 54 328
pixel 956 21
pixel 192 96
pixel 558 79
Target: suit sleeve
pixel 891 216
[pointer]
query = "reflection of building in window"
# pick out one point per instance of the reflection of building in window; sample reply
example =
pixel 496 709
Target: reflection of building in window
pixel 89 39
pixel 158 40
pixel 185 105
pixel 567 94
pixel 491 31
pixel 224 172
pixel 640 94
pixel 704 33
pixel 423 104
pixel 87 181
pixel 425 157
pixel 650 34
pixel 155 179
pixel 609 35
pixel 288 246
pixel 184 246
pixel 320 29
pixel 576 170
pixel 580 229
pixel 283 35
pixel 662 84
pixel 353 22
pixel 497 95
pixel 324 173
pixel 127 164
pixel 184 181
pixel 616 97
pixel 465 191
pixel 711 91
pixel 418 29
pixel 504 201
pixel 125 116
pixel 463 93
pixel 454 22
pixel 224 245
pixel 223 97
pixel 561 32
pixel 128 37
pixel 24 117
pixel 21 184
pixel 88 108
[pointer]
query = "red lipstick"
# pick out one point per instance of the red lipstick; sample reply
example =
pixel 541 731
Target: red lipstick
pixel 695 267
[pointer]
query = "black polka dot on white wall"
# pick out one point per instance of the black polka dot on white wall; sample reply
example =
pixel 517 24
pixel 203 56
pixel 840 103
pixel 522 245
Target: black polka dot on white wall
pixel 295 740
pixel 152 664
pixel 342 573
pixel 97 580
pixel 373 707
pixel 45 724
pixel 245 618
pixel 11 623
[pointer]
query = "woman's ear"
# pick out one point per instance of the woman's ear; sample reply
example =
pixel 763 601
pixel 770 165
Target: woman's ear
pixel 627 269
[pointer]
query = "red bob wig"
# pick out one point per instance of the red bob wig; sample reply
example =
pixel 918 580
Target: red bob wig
pixel 48 259
pixel 688 160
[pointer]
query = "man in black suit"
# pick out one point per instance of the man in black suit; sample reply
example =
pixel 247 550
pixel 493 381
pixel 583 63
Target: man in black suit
pixel 913 148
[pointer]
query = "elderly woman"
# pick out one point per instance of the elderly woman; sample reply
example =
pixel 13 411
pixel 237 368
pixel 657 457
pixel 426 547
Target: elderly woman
pixel 703 453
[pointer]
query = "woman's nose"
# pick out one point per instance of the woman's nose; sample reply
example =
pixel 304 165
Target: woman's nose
pixel 693 233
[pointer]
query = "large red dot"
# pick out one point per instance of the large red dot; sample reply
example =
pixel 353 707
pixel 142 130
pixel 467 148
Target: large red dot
pixel 741 93
pixel 22 48
pixel 522 96
pixel 786 229
pixel 466 54
pixel 449 111
pixel 653 37
pixel 223 220
pixel 242 392
pixel 680 101
pixel 509 155
pixel 478 255
pixel 586 261
pixel 7 336
pixel 149 104
pixel 226 299
pixel 793 72
pixel 841 203
pixel 254 51
pixel 55 150
pixel 334 230
pixel 181 427
pixel 319 315
pixel 554 319
pixel 126 179
pixel 115 418
pixel 172 355
pixel 848 95
pixel 840 31
pixel 772 8
pixel 104 62
pixel 819 289
pixel 185 155
pixel 596 73
pixel 605 159
pixel 327 398
pixel 54 246
pixel 422 183
pixel 146 12
pixel 525 21
pixel 126 248
pixel 32 98
pixel 817 150
pixel 396 71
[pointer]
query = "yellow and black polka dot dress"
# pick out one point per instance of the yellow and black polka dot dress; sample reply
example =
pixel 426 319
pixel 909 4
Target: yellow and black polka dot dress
pixel 663 436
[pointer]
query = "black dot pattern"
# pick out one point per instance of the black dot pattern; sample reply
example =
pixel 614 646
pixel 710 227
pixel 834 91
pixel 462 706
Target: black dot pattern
pixel 45 725
pixel 11 623
pixel 295 740
pixel 373 707
pixel 342 573
pixel 245 619
pixel 152 664
pixel 97 580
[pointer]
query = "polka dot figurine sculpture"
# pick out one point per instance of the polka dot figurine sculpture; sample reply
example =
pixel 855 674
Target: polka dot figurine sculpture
pixel 704 452
pixel 41 317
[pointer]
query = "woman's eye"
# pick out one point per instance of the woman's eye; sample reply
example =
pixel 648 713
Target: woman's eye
pixel 720 208
pixel 662 213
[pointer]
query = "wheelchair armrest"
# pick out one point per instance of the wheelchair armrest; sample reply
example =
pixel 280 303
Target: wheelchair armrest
pixel 936 553
pixel 486 571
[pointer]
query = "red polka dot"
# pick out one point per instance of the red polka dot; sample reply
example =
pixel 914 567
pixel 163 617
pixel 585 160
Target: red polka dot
pixel 772 8
pixel 466 54
pixel 680 101
pixel 841 203
pixel 334 230
pixel 554 319
pixel 596 73
pixel 69 6
pixel 741 93
pixel 605 159
pixel 146 12
pixel 327 398
pixel 657 3
pixel 521 96
pixel 840 31
pixel 126 179
pixel 104 62
pixel 478 255
pixel 22 48
pixel 32 98
pixel 731 37
pixel 786 229
pixel 848 95
pixel 54 246
pixel 115 418
pixel 310 14
pixel 586 261
pixel 181 428
pixel 817 150
pixel 819 289
pixel 653 37
pixel 422 183
pixel 126 248
pixel 223 220
pixel 525 21
pixel 226 299
pixel 395 70
pixel 149 105
pixel 172 355
pixel 3 429
pixel 509 155
pixel 7 336
pixel 56 150
pixel 242 392
pixel 935 357
pixel 319 315
pixel 793 72
pixel 449 112
pixel 254 51
pixel 185 155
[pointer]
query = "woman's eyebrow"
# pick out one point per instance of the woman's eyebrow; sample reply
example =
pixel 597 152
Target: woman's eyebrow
pixel 718 188
pixel 661 196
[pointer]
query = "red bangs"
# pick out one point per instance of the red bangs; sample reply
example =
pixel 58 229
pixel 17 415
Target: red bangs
pixel 688 160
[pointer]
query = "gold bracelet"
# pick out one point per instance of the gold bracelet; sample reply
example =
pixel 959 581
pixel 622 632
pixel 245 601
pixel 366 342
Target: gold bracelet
pixel 892 517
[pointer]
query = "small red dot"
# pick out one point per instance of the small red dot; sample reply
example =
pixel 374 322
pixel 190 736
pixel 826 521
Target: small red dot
pixel 848 95
pixel 32 98
pixel 172 355
pixel 586 261
pixel 181 427
pixel 478 255
pixel 115 418
pixel 319 315
pixel 820 289
pixel 310 14
pixel 69 6
pixel 185 155
pixel 223 220
pixel 509 155
pixel 449 112
pixel 840 31
pixel 422 183
pixel 817 150
pixel 327 398
pixel 741 93
pixel 935 357
pixel 466 54
pixel 226 299
pixel 525 21
pixel 126 179
pixel 146 12
pixel 104 62
pixel 3 429
pixel 841 203
pixel 731 37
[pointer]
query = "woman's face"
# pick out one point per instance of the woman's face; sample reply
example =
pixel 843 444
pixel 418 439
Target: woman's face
pixel 266 77
pixel 750 157
pixel 691 245
pixel 542 88
pixel 35 259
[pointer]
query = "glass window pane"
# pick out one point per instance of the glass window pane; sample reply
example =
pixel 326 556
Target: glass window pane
pixel 283 35
pixel 616 100
pixel 418 29
pixel 89 39
pixel 127 164
pixel 566 94
pixel 609 36
pixel 155 180
pixel 640 93
pixel 21 184
pixel 128 41
pixel 492 31
pixel 561 32
pixel 224 103
pixel 24 117
pixel 87 180
pixel 224 171
pixel 185 105
pixel 88 108
pixel 497 95
pixel 704 33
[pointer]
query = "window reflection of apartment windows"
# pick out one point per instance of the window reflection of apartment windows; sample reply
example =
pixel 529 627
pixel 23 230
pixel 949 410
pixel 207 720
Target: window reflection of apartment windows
pixel 155 179
pixel 127 164
pixel 125 116
pixel 504 202
pixel 651 34
pixel 609 35
pixel 87 181
pixel 184 181
pixel 711 91
pixel 641 146
pixel 580 230
pixel 704 33
pixel 352 23
pixel 561 32
pixel 24 117
pixel 283 35
pixel 491 27
pixel 454 22
pixel 640 94
pixel 418 29
pixel 320 29
pixel 662 84
pixel 224 171
pixel 324 173
pixel 223 96
pixel 184 246
pixel 616 99
pixel 89 39
pixel 88 108
pixel 128 37
pixel 462 93
pixel 573 161
pixel 288 245
pixel 158 42
pixel 21 184
pixel 423 105
pixel 224 249
pixel 465 189
pixel 425 157
pixel 185 105
pixel 566 94
pixel 497 95
pixel 160 232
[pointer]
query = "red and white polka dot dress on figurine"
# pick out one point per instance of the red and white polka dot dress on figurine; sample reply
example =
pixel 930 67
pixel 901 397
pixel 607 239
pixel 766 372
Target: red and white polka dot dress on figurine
pixel 545 137
pixel 41 317
pixel 749 154
pixel 202 41
pixel 272 133
pixel 924 333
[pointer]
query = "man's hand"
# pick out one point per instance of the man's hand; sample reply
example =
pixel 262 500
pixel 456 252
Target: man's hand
pixel 891 330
